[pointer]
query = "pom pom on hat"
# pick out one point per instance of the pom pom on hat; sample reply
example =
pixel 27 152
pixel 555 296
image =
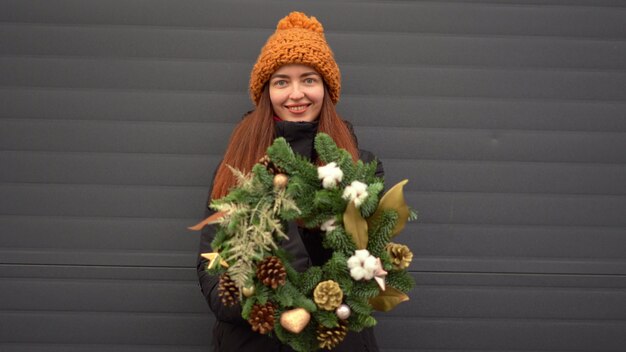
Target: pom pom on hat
pixel 299 20
pixel 298 39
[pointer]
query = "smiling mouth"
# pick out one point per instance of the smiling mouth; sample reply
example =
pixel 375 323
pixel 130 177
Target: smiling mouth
pixel 297 108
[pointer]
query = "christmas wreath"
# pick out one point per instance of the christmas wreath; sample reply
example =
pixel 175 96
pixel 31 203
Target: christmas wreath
pixel 316 308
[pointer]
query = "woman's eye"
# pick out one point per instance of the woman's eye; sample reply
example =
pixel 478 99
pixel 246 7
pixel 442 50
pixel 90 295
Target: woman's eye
pixel 280 83
pixel 309 81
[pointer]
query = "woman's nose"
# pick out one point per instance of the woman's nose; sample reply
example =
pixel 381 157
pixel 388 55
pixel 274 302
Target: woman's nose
pixel 296 93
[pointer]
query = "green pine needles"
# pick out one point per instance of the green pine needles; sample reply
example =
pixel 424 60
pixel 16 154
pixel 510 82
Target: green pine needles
pixel 362 273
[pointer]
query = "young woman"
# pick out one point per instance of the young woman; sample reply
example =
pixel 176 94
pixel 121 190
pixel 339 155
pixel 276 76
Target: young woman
pixel 295 85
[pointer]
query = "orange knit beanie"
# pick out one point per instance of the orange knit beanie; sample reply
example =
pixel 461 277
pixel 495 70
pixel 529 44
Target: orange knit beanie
pixel 298 40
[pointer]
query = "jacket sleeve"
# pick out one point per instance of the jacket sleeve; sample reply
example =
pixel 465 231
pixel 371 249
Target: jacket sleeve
pixel 367 157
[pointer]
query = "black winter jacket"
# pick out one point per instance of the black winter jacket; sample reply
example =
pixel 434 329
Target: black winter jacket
pixel 231 333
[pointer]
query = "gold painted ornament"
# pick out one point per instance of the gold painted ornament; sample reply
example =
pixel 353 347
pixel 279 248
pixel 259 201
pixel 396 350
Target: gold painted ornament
pixel 295 320
pixel 248 291
pixel 328 295
pixel 280 181
pixel 214 258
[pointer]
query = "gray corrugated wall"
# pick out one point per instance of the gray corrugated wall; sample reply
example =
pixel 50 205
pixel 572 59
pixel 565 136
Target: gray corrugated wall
pixel 508 117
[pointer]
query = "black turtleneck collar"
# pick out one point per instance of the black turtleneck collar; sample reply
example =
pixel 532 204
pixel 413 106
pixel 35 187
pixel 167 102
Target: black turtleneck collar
pixel 299 135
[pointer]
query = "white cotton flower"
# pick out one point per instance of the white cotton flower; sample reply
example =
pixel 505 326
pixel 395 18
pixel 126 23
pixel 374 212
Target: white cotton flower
pixel 354 262
pixel 362 265
pixel 370 263
pixel 330 174
pixel 362 254
pixel 358 273
pixel 357 192
pixel 328 225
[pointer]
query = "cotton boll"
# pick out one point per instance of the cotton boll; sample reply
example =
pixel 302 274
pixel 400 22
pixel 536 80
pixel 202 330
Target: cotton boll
pixel 328 225
pixel 356 192
pixel 349 193
pixel 328 183
pixel 363 265
pixel 326 170
pixel 362 254
pixel 330 175
pixel 357 273
pixel 370 264
pixel 354 262
pixel 359 187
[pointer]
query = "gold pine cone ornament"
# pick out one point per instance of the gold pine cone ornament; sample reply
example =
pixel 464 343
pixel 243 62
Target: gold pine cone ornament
pixel 329 338
pixel 328 295
pixel 401 255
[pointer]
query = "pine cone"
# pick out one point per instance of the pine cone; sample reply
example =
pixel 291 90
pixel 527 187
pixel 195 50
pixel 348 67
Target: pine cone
pixel 401 255
pixel 329 338
pixel 272 168
pixel 262 317
pixel 228 291
pixel 271 272
pixel 328 295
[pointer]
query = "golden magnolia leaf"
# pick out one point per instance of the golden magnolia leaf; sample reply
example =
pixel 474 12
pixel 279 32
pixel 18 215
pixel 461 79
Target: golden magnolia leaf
pixel 355 225
pixel 388 299
pixel 211 257
pixel 215 218
pixel 393 199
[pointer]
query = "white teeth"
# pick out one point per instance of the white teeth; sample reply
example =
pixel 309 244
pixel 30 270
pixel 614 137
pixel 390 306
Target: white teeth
pixel 297 108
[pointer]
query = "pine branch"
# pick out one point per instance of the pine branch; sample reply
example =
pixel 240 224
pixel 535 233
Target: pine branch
pixel 359 305
pixel 247 307
pixel 285 294
pixel 326 318
pixel 303 302
pixel 380 232
pixel 336 268
pixel 365 289
pixel 368 207
pixel 251 229
pixel 401 280
pixel 292 274
pixel 310 279
pixel 283 156
pixel 338 240
pixel 358 322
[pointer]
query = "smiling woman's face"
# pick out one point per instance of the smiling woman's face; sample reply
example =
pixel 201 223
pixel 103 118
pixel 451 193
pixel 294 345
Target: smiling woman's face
pixel 297 93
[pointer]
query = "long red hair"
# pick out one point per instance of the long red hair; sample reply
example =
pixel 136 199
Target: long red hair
pixel 255 133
